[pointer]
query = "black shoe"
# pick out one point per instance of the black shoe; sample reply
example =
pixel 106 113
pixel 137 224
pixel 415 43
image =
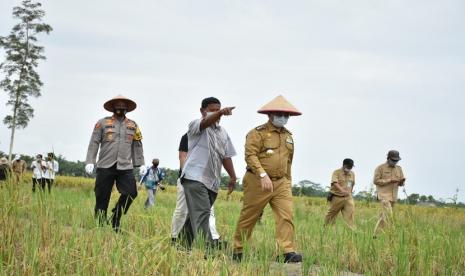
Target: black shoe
pixel 173 241
pixel 237 257
pixel 290 257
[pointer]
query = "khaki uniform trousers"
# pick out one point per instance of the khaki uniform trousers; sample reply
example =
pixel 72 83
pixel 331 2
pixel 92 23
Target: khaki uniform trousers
pixel 385 216
pixel 255 200
pixel 17 177
pixel 346 206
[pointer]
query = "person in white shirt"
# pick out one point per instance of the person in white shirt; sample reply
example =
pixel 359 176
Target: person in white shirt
pixel 38 167
pixel 52 168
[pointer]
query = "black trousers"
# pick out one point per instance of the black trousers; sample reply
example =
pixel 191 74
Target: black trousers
pixel 126 185
pixel 49 183
pixel 40 182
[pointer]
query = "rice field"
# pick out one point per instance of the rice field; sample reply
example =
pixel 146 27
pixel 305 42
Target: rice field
pixel 55 234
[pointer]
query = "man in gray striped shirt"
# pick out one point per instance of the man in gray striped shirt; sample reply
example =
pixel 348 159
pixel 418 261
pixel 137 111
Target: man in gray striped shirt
pixel 210 148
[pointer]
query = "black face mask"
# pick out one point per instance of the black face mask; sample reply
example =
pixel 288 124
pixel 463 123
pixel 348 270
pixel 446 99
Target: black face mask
pixel 120 112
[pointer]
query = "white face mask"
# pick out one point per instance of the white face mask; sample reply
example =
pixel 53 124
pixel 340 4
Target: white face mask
pixel 279 121
pixel 392 163
pixel 347 170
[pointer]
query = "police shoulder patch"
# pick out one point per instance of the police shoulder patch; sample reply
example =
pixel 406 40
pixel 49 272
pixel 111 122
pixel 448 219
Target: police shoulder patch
pixel 138 135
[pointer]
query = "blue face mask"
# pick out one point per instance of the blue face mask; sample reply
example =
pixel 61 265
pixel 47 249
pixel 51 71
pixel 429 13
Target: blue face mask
pixel 280 121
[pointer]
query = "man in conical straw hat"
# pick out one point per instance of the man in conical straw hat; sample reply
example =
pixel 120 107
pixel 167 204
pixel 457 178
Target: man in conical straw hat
pixel 269 149
pixel 120 143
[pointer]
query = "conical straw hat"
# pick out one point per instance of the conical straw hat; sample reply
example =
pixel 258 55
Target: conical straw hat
pixel 109 104
pixel 279 104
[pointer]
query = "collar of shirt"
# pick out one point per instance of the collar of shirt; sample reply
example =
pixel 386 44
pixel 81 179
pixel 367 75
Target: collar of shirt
pixel 114 118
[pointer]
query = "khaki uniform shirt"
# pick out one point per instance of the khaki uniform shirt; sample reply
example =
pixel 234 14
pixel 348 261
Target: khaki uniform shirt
pixel 383 175
pixel 269 149
pixel 120 142
pixel 346 181
pixel 18 166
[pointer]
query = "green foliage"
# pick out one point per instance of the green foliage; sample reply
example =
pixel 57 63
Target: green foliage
pixel 171 176
pixel 309 188
pixel 71 168
pixel 413 198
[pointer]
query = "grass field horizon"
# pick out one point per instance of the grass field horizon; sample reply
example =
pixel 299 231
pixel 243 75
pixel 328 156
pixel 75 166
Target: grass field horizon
pixel 56 234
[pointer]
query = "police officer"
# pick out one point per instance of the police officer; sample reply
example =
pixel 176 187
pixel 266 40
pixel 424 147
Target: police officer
pixel 120 143
pixel 269 150
pixel 388 177
pixel 340 197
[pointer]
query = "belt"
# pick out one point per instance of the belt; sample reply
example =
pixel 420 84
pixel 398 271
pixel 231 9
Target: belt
pixel 338 195
pixel 272 178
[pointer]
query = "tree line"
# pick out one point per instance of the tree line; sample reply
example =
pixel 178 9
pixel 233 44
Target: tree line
pixel 302 188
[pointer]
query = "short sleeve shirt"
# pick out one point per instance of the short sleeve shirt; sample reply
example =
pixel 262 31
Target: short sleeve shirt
pixel 343 179
pixel 184 145
pixel 207 149
pixel 37 171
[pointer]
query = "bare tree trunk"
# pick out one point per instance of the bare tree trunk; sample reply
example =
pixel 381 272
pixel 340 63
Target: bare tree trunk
pixel 13 129
pixel 15 110
pixel 11 143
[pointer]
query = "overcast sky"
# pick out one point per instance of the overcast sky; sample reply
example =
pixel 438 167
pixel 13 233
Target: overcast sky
pixel 369 76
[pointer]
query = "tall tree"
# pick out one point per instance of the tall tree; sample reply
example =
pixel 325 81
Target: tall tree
pixel 22 56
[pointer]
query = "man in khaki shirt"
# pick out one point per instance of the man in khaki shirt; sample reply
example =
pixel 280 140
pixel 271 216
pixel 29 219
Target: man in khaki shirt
pixel 269 150
pixel 340 198
pixel 18 167
pixel 388 177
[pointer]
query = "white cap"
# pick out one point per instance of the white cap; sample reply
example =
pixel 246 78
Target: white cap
pixel 17 157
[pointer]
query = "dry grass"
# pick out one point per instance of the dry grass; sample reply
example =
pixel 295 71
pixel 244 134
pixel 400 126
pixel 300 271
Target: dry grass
pixel 56 234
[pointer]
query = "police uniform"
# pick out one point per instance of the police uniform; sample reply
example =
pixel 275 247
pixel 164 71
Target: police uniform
pixel 269 150
pixel 340 202
pixel 120 143
pixel 386 191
